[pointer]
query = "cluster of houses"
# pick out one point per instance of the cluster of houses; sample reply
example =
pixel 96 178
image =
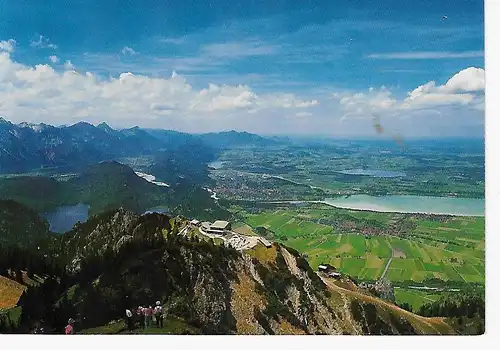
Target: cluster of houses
pixel 329 270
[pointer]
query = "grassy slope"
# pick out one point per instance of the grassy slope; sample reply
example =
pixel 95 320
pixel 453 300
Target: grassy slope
pixel 171 325
pixel 10 292
pixel 425 325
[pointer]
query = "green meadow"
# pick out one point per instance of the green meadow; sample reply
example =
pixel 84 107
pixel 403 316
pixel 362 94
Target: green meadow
pixel 450 249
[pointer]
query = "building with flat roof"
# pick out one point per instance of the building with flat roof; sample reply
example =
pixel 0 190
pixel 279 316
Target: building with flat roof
pixel 221 225
pixel 218 227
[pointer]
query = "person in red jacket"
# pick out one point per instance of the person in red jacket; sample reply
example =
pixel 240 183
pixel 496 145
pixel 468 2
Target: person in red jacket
pixel 69 328
pixel 148 316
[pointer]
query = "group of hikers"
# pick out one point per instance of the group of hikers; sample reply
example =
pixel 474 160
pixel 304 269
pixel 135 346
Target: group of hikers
pixel 144 316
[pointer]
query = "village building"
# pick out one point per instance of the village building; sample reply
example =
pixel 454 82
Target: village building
pixel 326 268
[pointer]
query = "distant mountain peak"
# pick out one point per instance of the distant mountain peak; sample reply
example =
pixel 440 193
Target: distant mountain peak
pixel 4 121
pixel 35 127
pixel 105 126
pixel 82 123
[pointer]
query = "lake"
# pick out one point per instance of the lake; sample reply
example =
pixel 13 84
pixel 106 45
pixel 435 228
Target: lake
pixel 216 165
pixel 412 204
pixel 158 210
pixel 65 217
pixel 151 178
pixel 373 173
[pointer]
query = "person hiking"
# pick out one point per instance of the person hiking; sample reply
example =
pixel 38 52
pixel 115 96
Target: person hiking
pixel 130 322
pixel 69 328
pixel 158 311
pixel 138 316
pixel 148 316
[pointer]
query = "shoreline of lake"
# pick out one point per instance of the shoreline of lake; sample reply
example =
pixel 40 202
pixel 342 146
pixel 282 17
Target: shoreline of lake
pixel 411 204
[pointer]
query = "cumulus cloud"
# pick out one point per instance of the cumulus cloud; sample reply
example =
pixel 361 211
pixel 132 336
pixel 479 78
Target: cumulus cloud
pixel 66 96
pixel 68 65
pixel 54 59
pixel 465 88
pixel 7 45
pixel 470 79
pixel 128 51
pixel 462 88
pixel 42 43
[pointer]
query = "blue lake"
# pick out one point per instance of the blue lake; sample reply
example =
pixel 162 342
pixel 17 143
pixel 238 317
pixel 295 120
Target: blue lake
pixel 373 173
pixel 159 210
pixel 216 165
pixel 65 217
pixel 412 204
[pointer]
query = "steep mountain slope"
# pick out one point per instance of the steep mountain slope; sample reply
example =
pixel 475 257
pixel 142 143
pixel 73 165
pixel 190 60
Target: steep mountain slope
pixel 37 192
pixel 120 260
pixel 20 225
pixel 110 185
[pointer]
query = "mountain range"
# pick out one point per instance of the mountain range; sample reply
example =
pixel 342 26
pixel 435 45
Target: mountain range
pixel 27 147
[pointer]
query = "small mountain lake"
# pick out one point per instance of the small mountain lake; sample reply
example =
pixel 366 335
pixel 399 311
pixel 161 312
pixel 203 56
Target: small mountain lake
pixel 65 217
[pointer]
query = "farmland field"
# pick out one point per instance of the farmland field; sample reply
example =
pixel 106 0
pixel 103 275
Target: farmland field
pixel 415 298
pixel 449 248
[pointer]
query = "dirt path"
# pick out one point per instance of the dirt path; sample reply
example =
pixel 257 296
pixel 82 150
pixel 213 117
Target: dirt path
pixel 430 322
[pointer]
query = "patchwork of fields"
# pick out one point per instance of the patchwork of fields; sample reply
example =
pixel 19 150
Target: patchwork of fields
pixel 450 250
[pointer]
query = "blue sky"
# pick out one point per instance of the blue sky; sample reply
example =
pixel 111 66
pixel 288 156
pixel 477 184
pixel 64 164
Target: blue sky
pixel 273 66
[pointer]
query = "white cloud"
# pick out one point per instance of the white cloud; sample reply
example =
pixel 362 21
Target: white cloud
pixel 425 55
pixel 465 88
pixel 470 79
pixel 42 43
pixel 66 96
pixel 129 51
pixel 7 45
pixel 68 65
pixel 365 102
pixel 54 59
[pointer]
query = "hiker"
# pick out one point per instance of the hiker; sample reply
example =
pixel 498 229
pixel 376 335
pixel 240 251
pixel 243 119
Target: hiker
pixel 69 328
pixel 140 316
pixel 130 322
pixel 148 316
pixel 158 311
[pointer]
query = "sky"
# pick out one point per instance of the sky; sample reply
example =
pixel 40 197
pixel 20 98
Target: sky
pixel 330 68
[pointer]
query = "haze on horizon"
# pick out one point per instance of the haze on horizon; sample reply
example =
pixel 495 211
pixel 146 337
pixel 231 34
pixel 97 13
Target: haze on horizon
pixel 267 68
